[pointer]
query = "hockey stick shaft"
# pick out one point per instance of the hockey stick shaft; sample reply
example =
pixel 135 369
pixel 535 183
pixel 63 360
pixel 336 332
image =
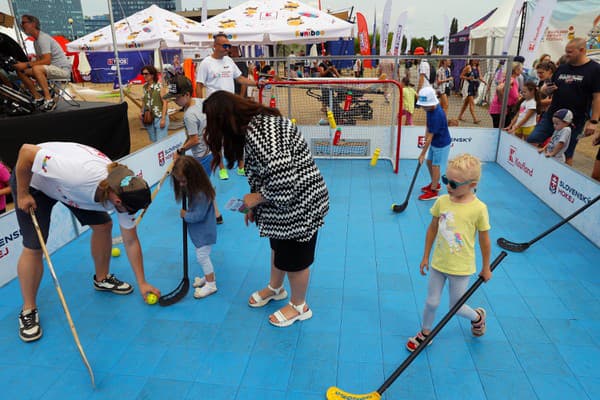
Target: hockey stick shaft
pixel 553 228
pixel 438 327
pixel 119 239
pixel 402 207
pixel 564 221
pixel 61 296
pixel 181 290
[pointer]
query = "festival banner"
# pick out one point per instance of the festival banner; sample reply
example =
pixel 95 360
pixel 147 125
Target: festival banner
pixel 512 25
pixel 534 30
pixel 385 28
pixel 408 43
pixel 400 24
pixel 204 14
pixel 363 38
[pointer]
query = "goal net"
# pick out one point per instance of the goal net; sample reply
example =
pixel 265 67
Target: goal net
pixel 342 118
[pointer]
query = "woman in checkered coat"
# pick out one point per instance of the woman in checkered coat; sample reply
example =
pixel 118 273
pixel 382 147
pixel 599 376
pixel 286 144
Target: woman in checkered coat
pixel 288 198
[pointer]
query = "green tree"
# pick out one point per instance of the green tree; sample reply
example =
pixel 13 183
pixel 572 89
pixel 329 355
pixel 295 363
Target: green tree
pixel 453 26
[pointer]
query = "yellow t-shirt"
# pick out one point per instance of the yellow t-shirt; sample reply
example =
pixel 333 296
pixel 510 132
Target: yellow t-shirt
pixel 408 98
pixel 454 247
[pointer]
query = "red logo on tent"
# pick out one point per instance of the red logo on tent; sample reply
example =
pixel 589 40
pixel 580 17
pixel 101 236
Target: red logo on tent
pixel 420 141
pixel 161 158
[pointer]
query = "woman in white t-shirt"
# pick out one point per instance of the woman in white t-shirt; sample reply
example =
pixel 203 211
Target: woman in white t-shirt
pixel 524 122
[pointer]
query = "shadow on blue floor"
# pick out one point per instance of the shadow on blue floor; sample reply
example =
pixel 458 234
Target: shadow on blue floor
pixel 367 295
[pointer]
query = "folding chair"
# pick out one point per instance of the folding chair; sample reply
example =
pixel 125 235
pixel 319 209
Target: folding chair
pixel 58 87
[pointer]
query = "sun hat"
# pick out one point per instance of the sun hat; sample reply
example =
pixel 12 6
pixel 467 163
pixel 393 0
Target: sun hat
pixel 178 86
pixel 564 115
pixel 131 189
pixel 427 97
pixel 419 51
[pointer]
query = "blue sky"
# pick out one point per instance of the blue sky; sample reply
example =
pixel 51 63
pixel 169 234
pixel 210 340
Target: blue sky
pixel 425 17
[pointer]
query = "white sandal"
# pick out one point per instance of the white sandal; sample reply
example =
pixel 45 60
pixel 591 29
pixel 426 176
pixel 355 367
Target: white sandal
pixel 282 321
pixel 278 294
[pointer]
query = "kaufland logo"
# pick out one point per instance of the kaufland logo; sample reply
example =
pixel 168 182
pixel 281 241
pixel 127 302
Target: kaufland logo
pixel 420 141
pixel 566 191
pixel 511 155
pixel 514 161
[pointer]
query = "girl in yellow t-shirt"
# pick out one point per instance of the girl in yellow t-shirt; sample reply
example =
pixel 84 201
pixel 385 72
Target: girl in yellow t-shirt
pixel 457 218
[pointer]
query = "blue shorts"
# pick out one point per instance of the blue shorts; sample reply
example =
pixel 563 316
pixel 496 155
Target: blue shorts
pixel 205 162
pixel 438 155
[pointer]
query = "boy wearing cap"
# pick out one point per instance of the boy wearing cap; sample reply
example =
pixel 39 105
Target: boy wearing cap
pixel 556 147
pixel 194 121
pixel 89 184
pixel 437 141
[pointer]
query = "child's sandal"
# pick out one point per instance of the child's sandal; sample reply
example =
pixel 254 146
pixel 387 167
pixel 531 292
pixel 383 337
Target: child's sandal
pixel 415 341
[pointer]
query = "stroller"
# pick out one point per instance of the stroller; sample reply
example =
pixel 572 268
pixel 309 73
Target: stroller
pixel 359 107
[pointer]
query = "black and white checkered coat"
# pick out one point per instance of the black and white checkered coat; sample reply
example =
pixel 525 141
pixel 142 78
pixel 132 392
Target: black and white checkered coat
pixel 280 167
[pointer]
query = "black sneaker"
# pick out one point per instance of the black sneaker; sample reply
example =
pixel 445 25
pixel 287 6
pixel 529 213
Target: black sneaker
pixel 48 105
pixel 112 284
pixel 29 325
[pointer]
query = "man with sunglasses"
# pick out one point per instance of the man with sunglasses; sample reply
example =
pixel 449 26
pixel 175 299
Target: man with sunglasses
pixel 50 63
pixel 89 184
pixel 218 72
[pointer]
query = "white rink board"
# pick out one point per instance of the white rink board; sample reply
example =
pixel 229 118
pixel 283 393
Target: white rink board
pixel 556 184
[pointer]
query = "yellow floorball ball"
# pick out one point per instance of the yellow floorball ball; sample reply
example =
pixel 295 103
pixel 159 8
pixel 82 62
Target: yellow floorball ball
pixel 151 298
pixel 116 252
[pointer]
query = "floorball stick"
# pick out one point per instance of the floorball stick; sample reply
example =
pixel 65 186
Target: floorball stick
pixel 399 208
pixel 61 296
pixel 184 286
pixel 119 239
pixel 334 393
pixel 520 247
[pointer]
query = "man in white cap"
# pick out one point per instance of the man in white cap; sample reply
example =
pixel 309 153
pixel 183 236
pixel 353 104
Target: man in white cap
pixel 89 184
pixel 437 141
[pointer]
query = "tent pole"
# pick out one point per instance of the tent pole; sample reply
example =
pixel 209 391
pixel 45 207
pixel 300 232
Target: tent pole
pixel 522 27
pixel 16 27
pixel 116 50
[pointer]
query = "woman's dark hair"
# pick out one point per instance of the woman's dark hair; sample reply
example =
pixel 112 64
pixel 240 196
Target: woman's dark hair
pixel 197 181
pixel 227 118
pixel 152 70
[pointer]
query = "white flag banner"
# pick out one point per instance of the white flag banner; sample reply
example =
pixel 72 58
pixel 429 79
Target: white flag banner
pixel 400 24
pixel 446 50
pixel 535 29
pixel 385 28
pixel 408 43
pixel 512 25
pixel 204 14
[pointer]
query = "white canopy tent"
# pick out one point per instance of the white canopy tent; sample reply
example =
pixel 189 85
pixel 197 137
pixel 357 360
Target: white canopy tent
pixel 269 22
pixel 487 38
pixel 569 19
pixel 151 28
